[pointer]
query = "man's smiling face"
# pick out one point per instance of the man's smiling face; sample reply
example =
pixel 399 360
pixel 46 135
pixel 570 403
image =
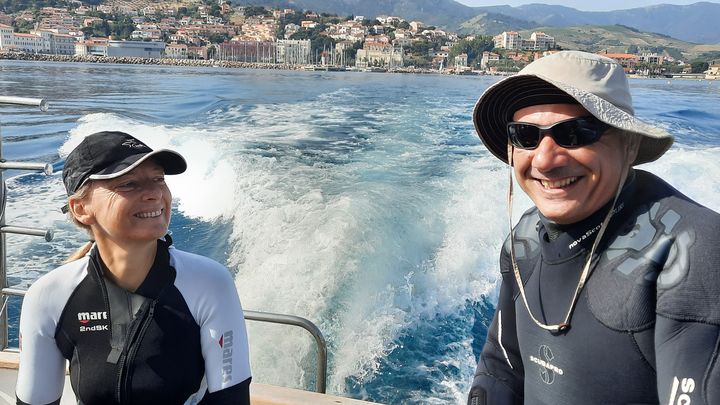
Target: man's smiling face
pixel 568 185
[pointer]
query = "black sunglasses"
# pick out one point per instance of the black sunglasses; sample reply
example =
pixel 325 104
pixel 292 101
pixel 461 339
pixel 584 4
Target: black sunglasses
pixel 571 133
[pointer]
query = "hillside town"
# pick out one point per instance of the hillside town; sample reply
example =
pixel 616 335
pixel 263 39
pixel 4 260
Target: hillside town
pixel 219 31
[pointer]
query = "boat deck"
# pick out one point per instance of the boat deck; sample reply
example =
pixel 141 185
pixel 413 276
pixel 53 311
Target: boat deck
pixel 261 394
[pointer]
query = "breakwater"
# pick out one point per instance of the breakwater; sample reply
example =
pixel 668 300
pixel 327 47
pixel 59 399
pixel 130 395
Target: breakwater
pixel 143 61
pixel 184 62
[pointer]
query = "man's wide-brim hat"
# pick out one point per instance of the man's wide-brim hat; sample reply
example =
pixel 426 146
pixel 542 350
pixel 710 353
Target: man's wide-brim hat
pixel 596 82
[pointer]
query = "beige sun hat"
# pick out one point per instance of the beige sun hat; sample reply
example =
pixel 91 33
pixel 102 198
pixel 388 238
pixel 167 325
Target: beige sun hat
pixel 597 83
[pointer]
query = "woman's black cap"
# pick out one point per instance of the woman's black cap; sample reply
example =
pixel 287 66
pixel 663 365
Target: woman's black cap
pixel 111 154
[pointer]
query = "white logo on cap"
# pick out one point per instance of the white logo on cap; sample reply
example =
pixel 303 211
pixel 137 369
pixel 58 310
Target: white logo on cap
pixel 132 143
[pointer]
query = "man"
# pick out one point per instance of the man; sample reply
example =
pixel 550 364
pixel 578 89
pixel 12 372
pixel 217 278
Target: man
pixel 610 283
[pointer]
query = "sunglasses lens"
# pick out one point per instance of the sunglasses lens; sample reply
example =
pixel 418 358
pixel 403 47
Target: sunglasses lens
pixel 576 133
pixel 524 136
pixel 567 134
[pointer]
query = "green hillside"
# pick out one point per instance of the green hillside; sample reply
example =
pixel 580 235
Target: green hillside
pixel 493 24
pixel 618 39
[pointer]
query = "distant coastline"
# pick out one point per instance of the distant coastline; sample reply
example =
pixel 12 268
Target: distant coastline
pixel 179 62
pixel 142 61
pixel 254 65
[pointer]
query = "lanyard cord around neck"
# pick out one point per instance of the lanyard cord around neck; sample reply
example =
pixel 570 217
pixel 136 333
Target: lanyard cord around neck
pixel 565 324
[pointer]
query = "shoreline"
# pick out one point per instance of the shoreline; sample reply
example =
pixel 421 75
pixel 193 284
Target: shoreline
pixel 128 60
pixel 134 60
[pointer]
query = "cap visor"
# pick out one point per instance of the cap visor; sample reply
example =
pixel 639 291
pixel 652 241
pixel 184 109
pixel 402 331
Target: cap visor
pixel 171 161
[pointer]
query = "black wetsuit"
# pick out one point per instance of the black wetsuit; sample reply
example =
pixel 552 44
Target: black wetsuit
pixel 180 338
pixel 646 328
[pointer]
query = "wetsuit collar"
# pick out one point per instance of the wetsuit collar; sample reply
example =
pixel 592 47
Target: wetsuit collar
pixel 563 242
pixel 160 274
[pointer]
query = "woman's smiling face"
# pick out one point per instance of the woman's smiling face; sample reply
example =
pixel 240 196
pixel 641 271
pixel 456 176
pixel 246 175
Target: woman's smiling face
pixel 132 208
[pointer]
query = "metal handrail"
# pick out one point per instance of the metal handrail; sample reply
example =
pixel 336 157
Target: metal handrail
pixel 270 317
pixel 308 326
pixel 5 228
pixel 35 102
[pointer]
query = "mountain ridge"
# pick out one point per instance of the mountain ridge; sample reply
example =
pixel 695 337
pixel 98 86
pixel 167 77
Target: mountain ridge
pixel 690 23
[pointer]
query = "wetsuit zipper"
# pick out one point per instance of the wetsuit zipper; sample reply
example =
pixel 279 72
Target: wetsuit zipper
pixel 135 335
pixel 100 278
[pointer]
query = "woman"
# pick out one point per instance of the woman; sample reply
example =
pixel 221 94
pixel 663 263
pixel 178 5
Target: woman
pixel 139 321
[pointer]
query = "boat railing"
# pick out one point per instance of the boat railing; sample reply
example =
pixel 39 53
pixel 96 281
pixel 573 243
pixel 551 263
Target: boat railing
pixel 6 292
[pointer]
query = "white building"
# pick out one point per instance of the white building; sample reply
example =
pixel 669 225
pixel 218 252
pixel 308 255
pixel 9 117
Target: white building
pixel 137 49
pixel 6 36
pixel 57 44
pixel 92 46
pixel 461 60
pixel 41 41
pixel 507 40
pixel 713 73
pixel 488 57
pixel 153 34
pixel 652 58
pixel 290 29
pixel 542 41
pixel 512 40
pixel 293 52
pixel 176 51
pixel 379 54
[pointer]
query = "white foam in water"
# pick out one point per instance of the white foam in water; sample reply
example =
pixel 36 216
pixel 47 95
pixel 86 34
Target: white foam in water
pixel 333 257
pixel 37 204
pixel 694 172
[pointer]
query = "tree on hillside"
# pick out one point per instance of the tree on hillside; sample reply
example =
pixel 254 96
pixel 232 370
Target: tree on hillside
pixel 122 27
pixel 292 18
pixel 673 68
pixel 507 65
pixel 699 66
pixel 370 23
pixel 420 48
pixel 23 26
pixel 252 11
pixel 351 53
pixel 418 53
pixel 215 10
pixel 333 19
pixel 473 48
pixel 218 38
pixel 14 6
pixel 97 30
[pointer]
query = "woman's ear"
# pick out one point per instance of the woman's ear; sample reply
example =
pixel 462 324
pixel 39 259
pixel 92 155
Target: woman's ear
pixel 81 211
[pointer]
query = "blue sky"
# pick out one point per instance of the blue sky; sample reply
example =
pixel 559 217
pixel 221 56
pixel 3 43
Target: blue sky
pixel 584 5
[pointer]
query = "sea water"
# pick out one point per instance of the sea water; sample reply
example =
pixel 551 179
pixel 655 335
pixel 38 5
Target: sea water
pixel 363 202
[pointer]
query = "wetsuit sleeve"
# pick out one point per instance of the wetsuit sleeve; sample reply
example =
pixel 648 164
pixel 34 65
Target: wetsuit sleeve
pixel 42 367
pixel 687 362
pixel 499 375
pixel 687 326
pixel 224 342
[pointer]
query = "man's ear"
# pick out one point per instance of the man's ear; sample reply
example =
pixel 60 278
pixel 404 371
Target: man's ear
pixel 80 211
